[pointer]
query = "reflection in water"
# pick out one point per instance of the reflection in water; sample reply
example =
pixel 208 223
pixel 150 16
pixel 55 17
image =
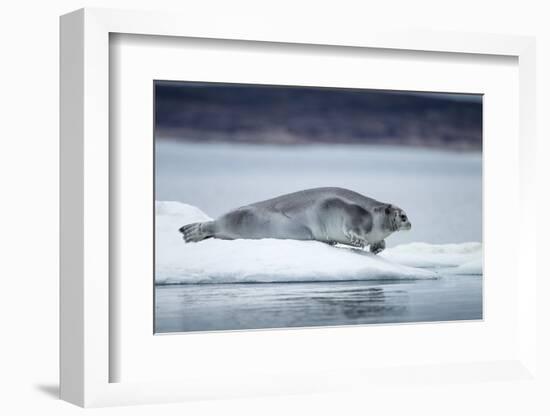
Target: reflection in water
pixel 363 303
pixel 207 307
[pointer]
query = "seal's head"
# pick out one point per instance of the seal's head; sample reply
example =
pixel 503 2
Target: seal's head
pixel 397 219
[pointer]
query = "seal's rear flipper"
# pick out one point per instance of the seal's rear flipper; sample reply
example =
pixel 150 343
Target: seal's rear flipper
pixel 197 231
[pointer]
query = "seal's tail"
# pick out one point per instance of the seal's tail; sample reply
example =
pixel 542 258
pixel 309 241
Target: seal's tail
pixel 197 231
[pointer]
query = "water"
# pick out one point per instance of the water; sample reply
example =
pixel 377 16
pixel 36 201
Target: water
pixel 181 308
pixel 440 191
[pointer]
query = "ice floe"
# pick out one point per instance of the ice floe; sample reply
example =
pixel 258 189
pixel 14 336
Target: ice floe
pixel 463 258
pixel 271 260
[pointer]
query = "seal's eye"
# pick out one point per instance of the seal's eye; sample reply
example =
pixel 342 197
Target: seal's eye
pixel 404 217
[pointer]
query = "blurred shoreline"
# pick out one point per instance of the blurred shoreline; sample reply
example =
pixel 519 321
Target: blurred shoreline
pixel 233 113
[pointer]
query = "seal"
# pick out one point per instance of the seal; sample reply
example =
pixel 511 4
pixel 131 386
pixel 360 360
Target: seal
pixel 329 215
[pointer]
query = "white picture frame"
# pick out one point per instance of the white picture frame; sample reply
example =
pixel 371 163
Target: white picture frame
pixel 86 291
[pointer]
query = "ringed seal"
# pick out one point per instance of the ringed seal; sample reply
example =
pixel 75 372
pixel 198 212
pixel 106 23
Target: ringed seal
pixel 329 215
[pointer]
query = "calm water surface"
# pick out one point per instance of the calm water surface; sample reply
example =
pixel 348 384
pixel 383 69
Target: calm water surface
pixel 197 307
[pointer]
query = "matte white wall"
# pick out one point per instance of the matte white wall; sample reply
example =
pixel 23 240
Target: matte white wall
pixel 29 207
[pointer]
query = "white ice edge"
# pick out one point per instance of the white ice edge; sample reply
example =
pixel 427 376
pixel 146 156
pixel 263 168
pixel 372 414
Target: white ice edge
pixel 271 260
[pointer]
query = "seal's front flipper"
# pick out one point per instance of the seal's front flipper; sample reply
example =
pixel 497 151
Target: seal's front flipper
pixel 197 231
pixel 377 247
pixel 355 240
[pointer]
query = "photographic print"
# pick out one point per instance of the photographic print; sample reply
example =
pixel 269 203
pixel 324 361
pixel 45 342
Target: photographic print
pixel 294 207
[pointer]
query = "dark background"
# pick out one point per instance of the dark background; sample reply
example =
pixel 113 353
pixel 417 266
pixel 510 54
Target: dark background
pixel 217 112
